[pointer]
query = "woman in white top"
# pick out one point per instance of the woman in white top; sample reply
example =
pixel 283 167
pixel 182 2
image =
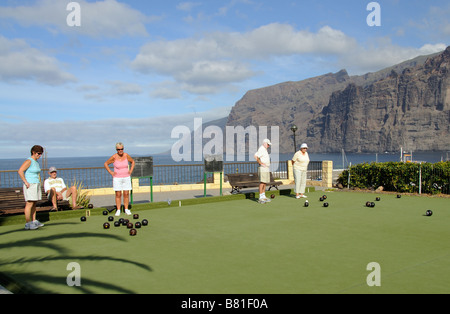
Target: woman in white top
pixel 300 161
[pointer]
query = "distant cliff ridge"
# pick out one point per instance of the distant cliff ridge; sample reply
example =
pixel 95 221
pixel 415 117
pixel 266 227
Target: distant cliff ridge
pixel 405 105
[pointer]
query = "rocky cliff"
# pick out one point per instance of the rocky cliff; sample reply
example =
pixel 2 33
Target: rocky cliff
pixel 406 105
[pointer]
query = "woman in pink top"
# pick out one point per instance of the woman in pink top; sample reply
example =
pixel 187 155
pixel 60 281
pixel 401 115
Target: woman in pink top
pixel 121 177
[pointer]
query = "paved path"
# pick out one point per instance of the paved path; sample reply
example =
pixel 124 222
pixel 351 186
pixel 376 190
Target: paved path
pixel 108 200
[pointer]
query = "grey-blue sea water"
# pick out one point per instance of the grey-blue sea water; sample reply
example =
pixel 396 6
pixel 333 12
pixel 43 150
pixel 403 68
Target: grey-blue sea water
pixel 339 160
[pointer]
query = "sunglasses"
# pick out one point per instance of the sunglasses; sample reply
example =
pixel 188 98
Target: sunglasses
pixel 118 149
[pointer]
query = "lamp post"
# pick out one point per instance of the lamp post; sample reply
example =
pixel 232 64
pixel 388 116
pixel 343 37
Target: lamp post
pixel 294 129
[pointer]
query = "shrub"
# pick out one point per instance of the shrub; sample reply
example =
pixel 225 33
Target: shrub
pixel 82 198
pixel 400 177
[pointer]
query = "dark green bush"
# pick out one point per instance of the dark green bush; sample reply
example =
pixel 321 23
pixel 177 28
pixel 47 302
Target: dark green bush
pixel 400 177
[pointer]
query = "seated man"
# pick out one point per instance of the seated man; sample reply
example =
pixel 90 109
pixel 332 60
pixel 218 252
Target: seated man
pixel 56 190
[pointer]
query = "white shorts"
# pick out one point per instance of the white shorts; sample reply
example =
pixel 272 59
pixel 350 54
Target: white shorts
pixel 122 184
pixel 32 194
pixel 64 195
pixel 264 174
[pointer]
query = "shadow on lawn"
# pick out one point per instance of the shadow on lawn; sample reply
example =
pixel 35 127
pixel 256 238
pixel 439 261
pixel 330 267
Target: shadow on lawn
pixel 28 282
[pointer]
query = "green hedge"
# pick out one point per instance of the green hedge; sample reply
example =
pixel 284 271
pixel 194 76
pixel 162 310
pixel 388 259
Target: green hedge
pixel 400 177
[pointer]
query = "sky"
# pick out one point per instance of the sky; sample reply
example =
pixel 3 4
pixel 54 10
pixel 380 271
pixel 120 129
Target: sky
pixel 79 76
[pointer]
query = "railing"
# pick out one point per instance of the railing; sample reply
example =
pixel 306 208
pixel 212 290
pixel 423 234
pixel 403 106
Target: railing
pixel 98 177
pixel 315 171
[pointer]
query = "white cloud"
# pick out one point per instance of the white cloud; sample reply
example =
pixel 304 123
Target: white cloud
pixel 113 88
pixel 217 60
pixel 145 135
pixel 19 61
pixel 166 90
pixel 383 54
pixel 187 6
pixel 429 48
pixel 124 88
pixel 213 62
pixel 108 18
pixel 215 72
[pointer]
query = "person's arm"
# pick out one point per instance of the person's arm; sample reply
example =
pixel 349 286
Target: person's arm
pixel 294 159
pixel 131 160
pixel 22 169
pixel 260 162
pixel 258 158
pixel 107 163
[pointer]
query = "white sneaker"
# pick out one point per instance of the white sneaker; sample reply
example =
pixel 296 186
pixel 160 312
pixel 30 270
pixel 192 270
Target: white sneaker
pixel 38 224
pixel 304 196
pixel 118 213
pixel 298 196
pixel 30 226
pixel 266 200
pixel 127 211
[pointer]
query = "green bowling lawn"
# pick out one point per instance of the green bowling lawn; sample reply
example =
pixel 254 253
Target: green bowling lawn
pixel 238 246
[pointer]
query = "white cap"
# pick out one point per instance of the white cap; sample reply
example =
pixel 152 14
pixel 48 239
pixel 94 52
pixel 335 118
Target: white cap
pixel 267 141
pixel 52 169
pixel 304 145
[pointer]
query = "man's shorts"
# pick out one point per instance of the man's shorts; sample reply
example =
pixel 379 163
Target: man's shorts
pixel 122 184
pixel 32 194
pixel 264 174
pixel 64 195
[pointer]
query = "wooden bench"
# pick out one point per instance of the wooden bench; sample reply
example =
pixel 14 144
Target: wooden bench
pixel 240 181
pixel 12 202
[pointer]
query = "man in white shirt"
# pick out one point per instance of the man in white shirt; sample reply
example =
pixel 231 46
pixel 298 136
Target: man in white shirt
pixel 56 190
pixel 263 159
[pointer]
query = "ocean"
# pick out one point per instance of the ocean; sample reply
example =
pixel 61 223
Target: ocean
pixel 337 158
